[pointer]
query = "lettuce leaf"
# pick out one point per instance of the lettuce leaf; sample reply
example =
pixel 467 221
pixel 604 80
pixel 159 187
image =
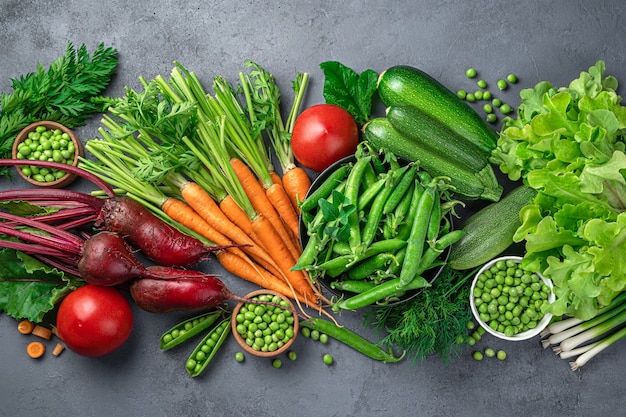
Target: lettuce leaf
pixel 568 144
pixel 29 288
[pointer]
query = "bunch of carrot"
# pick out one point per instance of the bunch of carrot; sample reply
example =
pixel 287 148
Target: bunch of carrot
pixel 200 161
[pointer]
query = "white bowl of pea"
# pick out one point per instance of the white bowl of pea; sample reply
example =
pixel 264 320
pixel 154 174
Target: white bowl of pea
pixel 507 301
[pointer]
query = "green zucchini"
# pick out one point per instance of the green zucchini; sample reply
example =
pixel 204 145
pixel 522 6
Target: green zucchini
pixel 408 85
pixel 426 131
pixel 489 231
pixel 467 183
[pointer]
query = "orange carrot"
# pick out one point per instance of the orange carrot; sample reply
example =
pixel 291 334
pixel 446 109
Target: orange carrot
pixel 35 349
pixel 275 178
pixel 296 182
pixel 58 349
pixel 42 332
pixel 262 205
pixel 279 199
pixel 186 216
pixel 207 209
pixel 258 275
pixel 279 251
pixel 25 327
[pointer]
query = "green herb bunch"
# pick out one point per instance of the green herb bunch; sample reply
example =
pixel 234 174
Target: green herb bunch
pixel 434 322
pixel 67 92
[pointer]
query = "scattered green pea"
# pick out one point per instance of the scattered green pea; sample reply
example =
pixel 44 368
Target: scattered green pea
pixel 323 338
pixel 478 95
pixel 328 359
pixel 490 352
pixel 470 97
pixel 315 335
pixel 292 355
pixel 470 325
pixel 477 355
pixel 496 102
pixel 501 355
pixel 277 363
pixel 461 94
pixel 487 95
pixel 471 72
pixel 482 83
pixel 505 109
pixel 240 357
pixel 488 108
pixel 512 78
pixel 492 118
pixel 305 331
pixel 502 84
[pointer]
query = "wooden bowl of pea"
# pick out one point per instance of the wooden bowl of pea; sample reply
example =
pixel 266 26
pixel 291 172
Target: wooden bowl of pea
pixel 265 330
pixel 47 141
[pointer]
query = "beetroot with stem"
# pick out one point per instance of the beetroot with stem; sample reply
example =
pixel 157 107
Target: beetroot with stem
pixel 182 290
pixel 158 240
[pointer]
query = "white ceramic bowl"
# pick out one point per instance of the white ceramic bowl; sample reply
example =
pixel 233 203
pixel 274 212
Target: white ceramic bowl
pixel 542 324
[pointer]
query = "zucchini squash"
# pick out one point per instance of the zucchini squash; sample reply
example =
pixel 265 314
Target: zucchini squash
pixel 467 183
pixel 490 231
pixel 408 85
pixel 427 132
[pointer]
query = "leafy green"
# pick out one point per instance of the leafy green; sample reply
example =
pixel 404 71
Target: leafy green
pixel 29 288
pixel 349 90
pixel 568 144
pixel 67 92
pixel 431 323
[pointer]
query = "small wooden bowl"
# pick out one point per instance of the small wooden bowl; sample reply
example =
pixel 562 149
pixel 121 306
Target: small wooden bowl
pixel 68 178
pixel 242 342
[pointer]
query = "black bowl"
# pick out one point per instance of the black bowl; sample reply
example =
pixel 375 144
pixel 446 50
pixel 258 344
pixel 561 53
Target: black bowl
pixel 430 275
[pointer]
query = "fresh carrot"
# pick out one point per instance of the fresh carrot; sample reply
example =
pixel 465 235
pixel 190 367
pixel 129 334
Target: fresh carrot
pixel 35 349
pixel 280 200
pixel 296 182
pixel 25 327
pixel 258 276
pixel 279 251
pixel 262 205
pixel 275 177
pixel 210 211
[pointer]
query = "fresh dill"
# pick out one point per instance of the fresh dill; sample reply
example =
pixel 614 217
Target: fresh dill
pixel 434 322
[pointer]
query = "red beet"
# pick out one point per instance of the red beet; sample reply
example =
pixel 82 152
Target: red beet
pixel 179 290
pixel 107 260
pixel 158 240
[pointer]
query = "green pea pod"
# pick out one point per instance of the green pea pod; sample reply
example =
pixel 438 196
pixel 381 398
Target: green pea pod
pixel 187 329
pixel 351 339
pixel 207 348
pixel 400 189
pixel 351 285
pixel 370 192
pixel 370 266
pixel 324 190
pixel 378 293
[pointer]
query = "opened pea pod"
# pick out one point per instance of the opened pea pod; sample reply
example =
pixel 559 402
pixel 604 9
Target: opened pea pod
pixel 187 329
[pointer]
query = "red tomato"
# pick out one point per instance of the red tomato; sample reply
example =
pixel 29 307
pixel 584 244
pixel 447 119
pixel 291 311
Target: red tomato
pixel 322 135
pixel 94 320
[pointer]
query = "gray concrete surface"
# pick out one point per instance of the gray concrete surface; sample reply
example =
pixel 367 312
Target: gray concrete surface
pixel 537 40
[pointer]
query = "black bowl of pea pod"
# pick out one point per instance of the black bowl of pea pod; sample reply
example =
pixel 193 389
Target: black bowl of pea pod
pixel 362 253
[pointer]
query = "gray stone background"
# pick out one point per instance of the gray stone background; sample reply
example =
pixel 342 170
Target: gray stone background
pixel 537 40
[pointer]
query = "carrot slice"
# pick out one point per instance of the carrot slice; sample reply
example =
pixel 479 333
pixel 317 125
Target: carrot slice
pixel 42 332
pixel 25 327
pixel 35 349
pixel 58 348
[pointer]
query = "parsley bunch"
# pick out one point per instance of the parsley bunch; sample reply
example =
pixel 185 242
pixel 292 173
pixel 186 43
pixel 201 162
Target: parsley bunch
pixel 66 93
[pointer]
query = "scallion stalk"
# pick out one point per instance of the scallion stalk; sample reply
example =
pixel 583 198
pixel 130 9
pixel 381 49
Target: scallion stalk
pixel 593 332
pixel 603 344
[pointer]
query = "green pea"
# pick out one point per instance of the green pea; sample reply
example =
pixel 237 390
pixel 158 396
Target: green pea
pixel 501 355
pixel 502 84
pixel 461 94
pixel 328 359
pixel 477 355
pixel 478 95
pixel 481 83
pixel 470 97
pixel 490 352
pixel 492 118
pixel 488 108
pixel 277 363
pixel 496 102
pixel 240 357
pixel 292 355
pixel 512 78
pixel 324 338
pixel 505 109
pixel 471 72
pixel 487 95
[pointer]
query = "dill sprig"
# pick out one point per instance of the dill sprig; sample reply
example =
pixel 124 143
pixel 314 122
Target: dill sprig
pixel 434 322
pixel 67 92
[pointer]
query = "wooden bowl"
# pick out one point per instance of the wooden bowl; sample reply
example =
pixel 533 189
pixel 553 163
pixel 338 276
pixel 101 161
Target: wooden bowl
pixel 242 342
pixel 68 178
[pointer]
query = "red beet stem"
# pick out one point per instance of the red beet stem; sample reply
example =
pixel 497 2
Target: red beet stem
pixel 38 195
pixel 64 167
